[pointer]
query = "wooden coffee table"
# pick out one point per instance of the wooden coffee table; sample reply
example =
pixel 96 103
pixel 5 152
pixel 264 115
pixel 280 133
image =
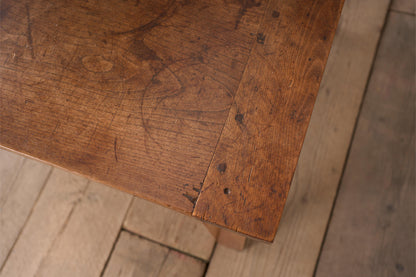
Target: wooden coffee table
pixel 200 106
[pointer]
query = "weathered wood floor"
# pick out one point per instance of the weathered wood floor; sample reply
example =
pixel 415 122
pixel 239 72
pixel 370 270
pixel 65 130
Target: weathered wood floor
pixel 351 208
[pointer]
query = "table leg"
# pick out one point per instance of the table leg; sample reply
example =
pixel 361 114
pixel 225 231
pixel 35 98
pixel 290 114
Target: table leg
pixel 226 237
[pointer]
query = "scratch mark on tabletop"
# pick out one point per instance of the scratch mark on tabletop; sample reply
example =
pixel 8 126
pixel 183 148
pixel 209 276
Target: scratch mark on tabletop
pixel 190 198
pixel 145 122
pixel 115 149
pixel 249 209
pixel 29 32
pixel 56 127
pixel 93 133
pixel 170 10
pixel 225 219
pixel 251 171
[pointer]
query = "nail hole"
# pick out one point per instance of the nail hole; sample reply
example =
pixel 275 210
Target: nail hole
pixel 239 118
pixel 261 38
pixel 275 14
pixel 222 167
pixel 227 191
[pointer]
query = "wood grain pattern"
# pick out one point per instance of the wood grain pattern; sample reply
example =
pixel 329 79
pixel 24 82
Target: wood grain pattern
pixel 140 95
pixel 133 95
pixel 372 230
pixel 134 256
pixel 21 182
pixel 10 165
pixel 49 215
pixel 71 230
pixel 254 162
pixel 169 228
pixel 406 6
pixel 299 237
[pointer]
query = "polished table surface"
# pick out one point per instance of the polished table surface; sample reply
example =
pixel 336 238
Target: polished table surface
pixel 200 106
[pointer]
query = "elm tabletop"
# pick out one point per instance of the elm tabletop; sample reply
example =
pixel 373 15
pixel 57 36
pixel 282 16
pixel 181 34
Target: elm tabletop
pixel 200 106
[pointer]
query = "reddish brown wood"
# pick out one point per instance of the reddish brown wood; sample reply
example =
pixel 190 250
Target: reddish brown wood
pixel 249 177
pixel 140 94
pixel 133 94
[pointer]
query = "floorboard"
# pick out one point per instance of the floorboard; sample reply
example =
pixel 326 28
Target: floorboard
pixel 298 241
pixel 372 231
pixel 71 230
pixel 21 183
pixel 406 6
pixel 134 256
pixel 169 228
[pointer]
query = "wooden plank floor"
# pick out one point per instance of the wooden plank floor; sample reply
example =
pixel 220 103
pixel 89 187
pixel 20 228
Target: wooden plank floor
pixel 372 231
pixel 53 223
